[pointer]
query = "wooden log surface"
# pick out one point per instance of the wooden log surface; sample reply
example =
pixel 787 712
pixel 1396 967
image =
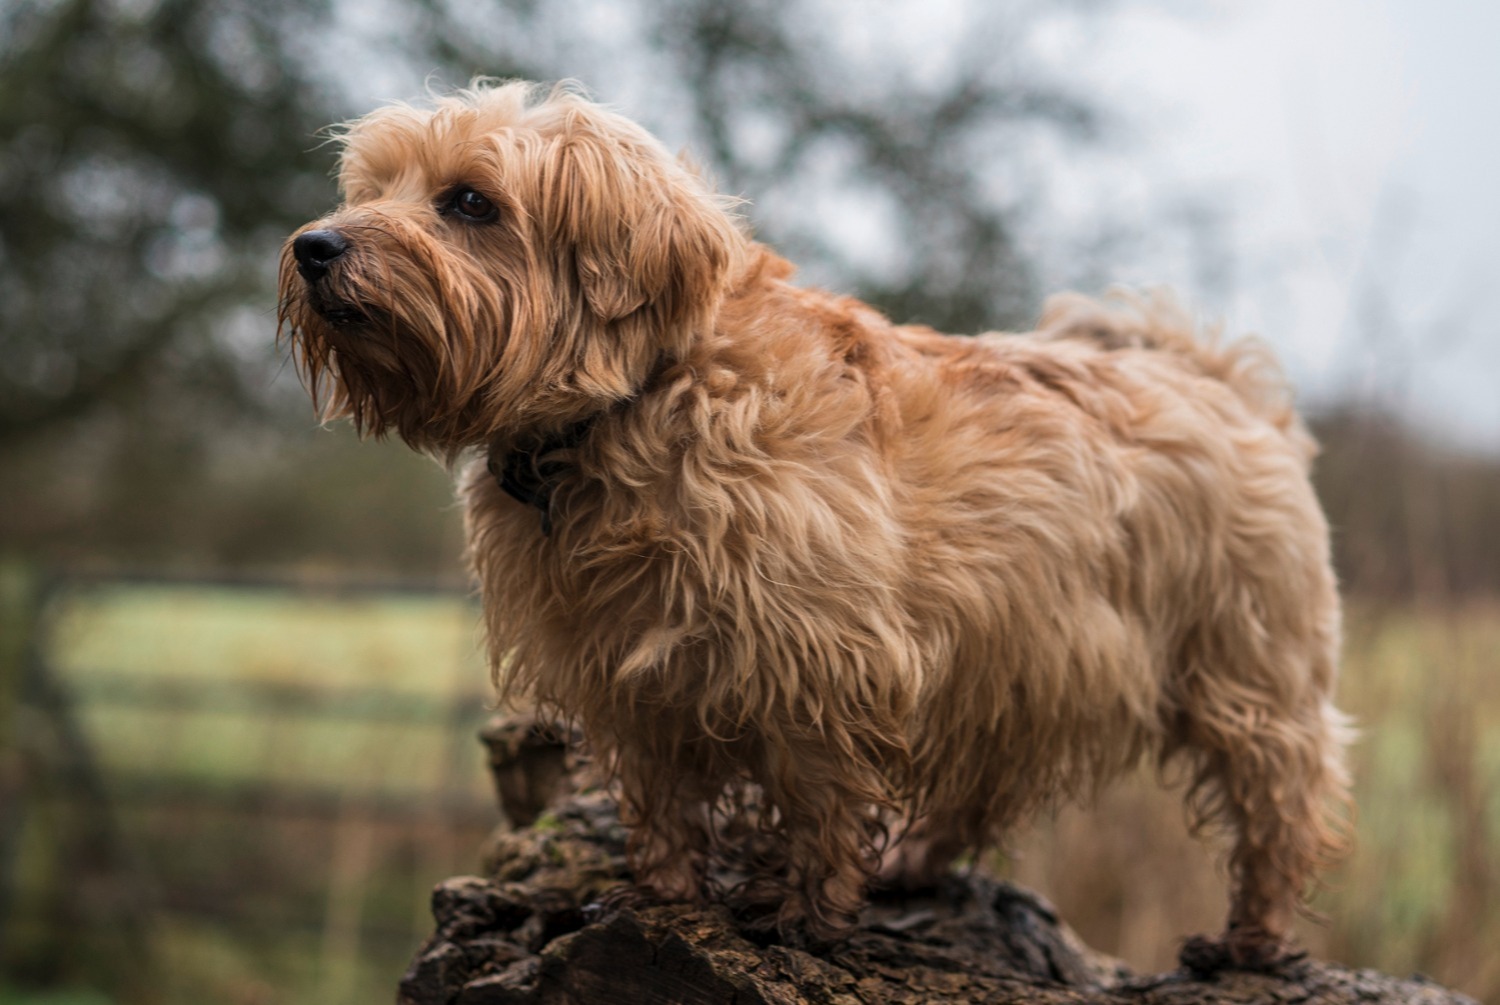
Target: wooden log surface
pixel 547 925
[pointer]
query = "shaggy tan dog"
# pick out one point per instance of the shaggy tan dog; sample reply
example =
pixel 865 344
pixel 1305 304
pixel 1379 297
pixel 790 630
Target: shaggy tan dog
pixel 749 534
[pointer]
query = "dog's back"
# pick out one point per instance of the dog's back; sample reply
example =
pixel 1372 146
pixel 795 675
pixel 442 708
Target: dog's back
pixel 1158 321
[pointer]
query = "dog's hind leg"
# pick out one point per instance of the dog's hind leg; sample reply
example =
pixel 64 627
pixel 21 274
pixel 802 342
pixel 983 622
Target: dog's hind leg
pixel 1268 749
pixel 920 853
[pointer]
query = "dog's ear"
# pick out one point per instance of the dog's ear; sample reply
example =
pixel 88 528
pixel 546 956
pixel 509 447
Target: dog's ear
pixel 646 232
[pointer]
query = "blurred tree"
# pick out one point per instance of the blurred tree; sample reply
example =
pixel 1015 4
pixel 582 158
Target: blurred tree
pixel 155 152
pixel 158 152
pixel 794 104
pixel 1411 519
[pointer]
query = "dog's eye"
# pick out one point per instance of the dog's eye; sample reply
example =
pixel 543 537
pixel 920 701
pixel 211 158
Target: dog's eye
pixel 470 205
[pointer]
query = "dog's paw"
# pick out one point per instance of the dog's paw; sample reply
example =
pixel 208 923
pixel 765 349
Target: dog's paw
pixel 1246 949
pixel 766 912
pixel 756 905
pixel 628 897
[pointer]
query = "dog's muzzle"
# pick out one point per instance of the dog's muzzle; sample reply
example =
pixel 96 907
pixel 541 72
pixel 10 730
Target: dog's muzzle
pixel 316 250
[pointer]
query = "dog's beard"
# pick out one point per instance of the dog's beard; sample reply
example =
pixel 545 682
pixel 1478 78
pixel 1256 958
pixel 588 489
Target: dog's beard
pixel 378 342
pixel 339 313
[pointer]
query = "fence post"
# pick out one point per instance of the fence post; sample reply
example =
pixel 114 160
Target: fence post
pixel 18 620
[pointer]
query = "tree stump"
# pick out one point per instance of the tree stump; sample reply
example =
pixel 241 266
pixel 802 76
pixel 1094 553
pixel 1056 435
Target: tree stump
pixel 548 926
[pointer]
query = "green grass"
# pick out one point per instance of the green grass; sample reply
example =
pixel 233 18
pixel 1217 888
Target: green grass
pixel 419 644
pixel 192 696
pixel 416 653
pixel 14 996
pixel 1422 889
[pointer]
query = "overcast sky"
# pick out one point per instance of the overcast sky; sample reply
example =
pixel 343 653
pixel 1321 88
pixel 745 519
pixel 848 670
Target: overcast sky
pixel 1358 144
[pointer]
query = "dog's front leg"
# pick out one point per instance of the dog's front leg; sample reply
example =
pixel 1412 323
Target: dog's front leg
pixel 824 805
pixel 666 812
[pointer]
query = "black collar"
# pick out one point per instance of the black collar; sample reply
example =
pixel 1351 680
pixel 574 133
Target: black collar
pixel 528 476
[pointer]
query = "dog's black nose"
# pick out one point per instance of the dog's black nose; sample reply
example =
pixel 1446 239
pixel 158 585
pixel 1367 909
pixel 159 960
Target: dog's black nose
pixel 316 250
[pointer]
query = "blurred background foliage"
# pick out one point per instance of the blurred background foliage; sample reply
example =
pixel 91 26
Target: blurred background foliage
pixel 157 153
pixel 153 156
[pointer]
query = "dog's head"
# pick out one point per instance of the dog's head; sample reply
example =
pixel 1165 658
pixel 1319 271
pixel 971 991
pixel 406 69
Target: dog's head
pixel 504 262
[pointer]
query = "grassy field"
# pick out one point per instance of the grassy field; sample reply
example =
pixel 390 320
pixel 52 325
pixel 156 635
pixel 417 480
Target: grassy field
pixel 288 773
pixel 326 904
pixel 350 676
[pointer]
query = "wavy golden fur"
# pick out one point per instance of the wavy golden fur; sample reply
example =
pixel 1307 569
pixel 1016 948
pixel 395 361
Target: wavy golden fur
pixel 867 569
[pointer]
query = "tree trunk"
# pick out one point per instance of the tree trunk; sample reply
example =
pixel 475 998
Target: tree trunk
pixel 537 931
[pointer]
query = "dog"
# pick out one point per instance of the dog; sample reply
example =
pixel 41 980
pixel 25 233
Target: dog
pixel 909 588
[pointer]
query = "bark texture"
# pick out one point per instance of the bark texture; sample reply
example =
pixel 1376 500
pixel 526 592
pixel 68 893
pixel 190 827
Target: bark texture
pixel 553 924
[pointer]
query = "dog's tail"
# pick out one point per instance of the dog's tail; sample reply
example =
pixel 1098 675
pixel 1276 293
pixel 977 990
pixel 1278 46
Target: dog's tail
pixel 1157 320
